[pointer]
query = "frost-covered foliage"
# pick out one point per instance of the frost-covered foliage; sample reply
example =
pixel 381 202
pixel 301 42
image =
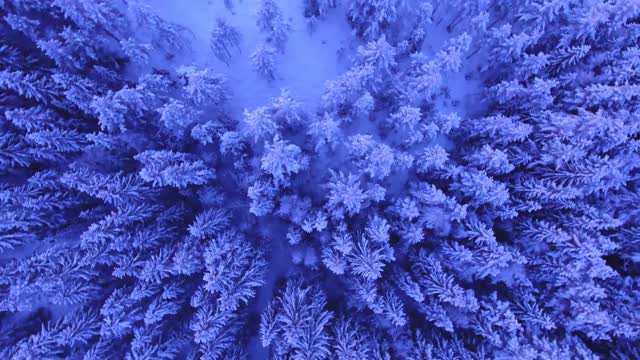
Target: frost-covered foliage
pixel 224 38
pixel 467 188
pixel 264 61
pixel 272 24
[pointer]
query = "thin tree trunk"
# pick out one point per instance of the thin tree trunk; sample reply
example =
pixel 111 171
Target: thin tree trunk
pixel 456 24
pixel 435 9
pixel 474 52
pixel 455 18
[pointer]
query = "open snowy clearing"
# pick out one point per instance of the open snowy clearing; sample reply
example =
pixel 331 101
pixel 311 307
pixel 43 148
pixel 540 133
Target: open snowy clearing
pixel 310 58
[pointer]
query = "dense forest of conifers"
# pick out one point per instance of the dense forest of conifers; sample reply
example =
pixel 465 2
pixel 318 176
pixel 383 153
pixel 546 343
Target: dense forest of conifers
pixel 141 219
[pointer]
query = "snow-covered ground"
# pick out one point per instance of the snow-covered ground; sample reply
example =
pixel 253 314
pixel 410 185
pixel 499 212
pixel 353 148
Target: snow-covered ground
pixel 310 59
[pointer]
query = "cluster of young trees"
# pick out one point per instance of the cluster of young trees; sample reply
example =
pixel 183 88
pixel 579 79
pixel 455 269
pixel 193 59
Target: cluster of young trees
pixel 275 30
pixel 141 220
